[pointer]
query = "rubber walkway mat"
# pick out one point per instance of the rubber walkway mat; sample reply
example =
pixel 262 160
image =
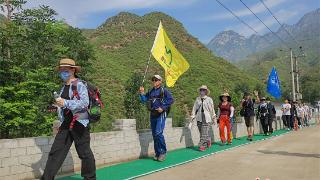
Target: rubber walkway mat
pixel 141 167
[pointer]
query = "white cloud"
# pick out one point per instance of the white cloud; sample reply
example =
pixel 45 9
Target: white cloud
pixel 75 11
pixel 257 8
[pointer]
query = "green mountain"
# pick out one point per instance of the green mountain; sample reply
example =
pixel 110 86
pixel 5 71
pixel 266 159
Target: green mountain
pixel 122 45
pixel 308 37
pixel 260 64
pixel 235 47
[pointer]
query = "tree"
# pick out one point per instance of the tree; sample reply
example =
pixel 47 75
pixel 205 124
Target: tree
pixel 134 108
pixel 32 42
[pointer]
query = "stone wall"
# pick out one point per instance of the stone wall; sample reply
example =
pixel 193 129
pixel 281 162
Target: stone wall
pixel 25 158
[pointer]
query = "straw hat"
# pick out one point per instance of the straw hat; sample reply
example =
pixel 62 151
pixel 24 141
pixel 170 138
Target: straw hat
pixel 66 62
pixel 205 88
pixel 226 95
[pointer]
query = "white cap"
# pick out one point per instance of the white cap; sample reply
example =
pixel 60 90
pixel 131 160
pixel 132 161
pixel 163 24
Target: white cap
pixel 157 77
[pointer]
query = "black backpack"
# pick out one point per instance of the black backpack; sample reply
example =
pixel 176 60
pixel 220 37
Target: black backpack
pixel 95 103
pixel 263 110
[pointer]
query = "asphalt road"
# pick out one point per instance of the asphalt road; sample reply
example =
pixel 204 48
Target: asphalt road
pixel 293 156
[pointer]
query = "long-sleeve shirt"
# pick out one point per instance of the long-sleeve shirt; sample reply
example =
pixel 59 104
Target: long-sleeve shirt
pixel 155 95
pixel 208 109
pixel 77 106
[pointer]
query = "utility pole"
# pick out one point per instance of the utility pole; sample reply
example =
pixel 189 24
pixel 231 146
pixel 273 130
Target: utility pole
pixel 297 78
pixel 292 76
pixel 299 94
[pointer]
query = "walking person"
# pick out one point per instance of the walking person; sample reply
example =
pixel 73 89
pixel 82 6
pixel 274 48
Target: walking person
pixel 74 127
pixel 203 111
pixel 158 100
pixel 307 115
pixel 293 116
pixel 263 115
pixel 301 114
pixel 247 104
pixel 225 114
pixel 271 115
pixel 286 113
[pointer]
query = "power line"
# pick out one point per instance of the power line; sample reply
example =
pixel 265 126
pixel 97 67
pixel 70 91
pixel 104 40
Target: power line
pixel 279 22
pixel 250 27
pixel 265 24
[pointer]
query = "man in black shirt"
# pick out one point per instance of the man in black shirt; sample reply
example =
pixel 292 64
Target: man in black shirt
pixel 271 115
pixel 247 104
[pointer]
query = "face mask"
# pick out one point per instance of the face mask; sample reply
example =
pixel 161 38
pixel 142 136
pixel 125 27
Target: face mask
pixel 65 75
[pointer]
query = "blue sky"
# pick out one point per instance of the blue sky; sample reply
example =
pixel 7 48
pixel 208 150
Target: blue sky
pixel 202 18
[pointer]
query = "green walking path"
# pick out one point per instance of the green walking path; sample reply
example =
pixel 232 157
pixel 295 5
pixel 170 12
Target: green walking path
pixel 140 167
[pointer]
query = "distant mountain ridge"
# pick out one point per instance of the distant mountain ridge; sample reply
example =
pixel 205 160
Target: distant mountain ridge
pixel 234 47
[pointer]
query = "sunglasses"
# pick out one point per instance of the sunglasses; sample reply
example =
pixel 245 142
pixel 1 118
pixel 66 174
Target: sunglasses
pixel 155 80
pixel 203 90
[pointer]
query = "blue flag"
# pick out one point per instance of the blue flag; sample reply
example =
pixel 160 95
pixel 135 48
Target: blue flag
pixel 273 87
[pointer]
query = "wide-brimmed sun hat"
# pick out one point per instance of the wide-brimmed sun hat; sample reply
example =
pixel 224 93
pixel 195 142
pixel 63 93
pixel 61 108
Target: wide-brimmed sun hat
pixel 225 95
pixel 66 62
pixel 204 87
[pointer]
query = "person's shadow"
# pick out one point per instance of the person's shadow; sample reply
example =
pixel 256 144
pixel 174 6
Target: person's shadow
pixel 211 133
pixel 187 136
pixel 145 138
pixel 285 153
pixel 39 166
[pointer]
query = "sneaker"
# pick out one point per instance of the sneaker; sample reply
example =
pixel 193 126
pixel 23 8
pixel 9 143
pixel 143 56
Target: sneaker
pixel 229 143
pixel 202 148
pixel 162 157
pixel 209 143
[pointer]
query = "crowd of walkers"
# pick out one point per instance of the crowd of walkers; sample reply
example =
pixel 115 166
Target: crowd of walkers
pixel 295 114
pixel 73 103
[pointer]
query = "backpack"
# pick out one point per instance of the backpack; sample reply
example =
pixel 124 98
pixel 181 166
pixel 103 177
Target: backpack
pixel 95 103
pixel 263 110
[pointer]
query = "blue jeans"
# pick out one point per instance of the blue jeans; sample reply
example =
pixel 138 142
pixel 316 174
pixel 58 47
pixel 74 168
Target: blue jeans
pixel 157 127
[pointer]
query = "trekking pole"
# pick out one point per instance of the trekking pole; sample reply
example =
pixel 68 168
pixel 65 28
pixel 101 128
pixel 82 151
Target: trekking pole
pixel 145 72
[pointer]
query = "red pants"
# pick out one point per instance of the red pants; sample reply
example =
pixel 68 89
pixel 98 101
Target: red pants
pixel 224 120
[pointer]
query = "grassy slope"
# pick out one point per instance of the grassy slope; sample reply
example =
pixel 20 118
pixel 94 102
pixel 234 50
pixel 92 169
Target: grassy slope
pixel 260 66
pixel 122 47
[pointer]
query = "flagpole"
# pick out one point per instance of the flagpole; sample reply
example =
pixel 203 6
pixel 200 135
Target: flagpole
pixel 146 70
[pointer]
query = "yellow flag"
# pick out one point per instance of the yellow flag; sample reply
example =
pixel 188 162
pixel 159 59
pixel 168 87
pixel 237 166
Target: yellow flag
pixel 169 57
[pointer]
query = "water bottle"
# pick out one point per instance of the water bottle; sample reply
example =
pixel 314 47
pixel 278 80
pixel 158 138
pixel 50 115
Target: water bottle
pixel 55 95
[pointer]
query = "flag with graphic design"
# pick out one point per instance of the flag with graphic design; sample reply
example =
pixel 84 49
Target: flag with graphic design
pixel 169 57
pixel 273 86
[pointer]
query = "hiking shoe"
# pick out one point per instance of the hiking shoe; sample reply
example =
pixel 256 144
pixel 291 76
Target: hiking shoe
pixel 162 157
pixel 155 158
pixel 209 144
pixel 202 148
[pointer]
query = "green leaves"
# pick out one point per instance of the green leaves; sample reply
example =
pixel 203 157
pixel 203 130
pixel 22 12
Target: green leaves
pixel 31 46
